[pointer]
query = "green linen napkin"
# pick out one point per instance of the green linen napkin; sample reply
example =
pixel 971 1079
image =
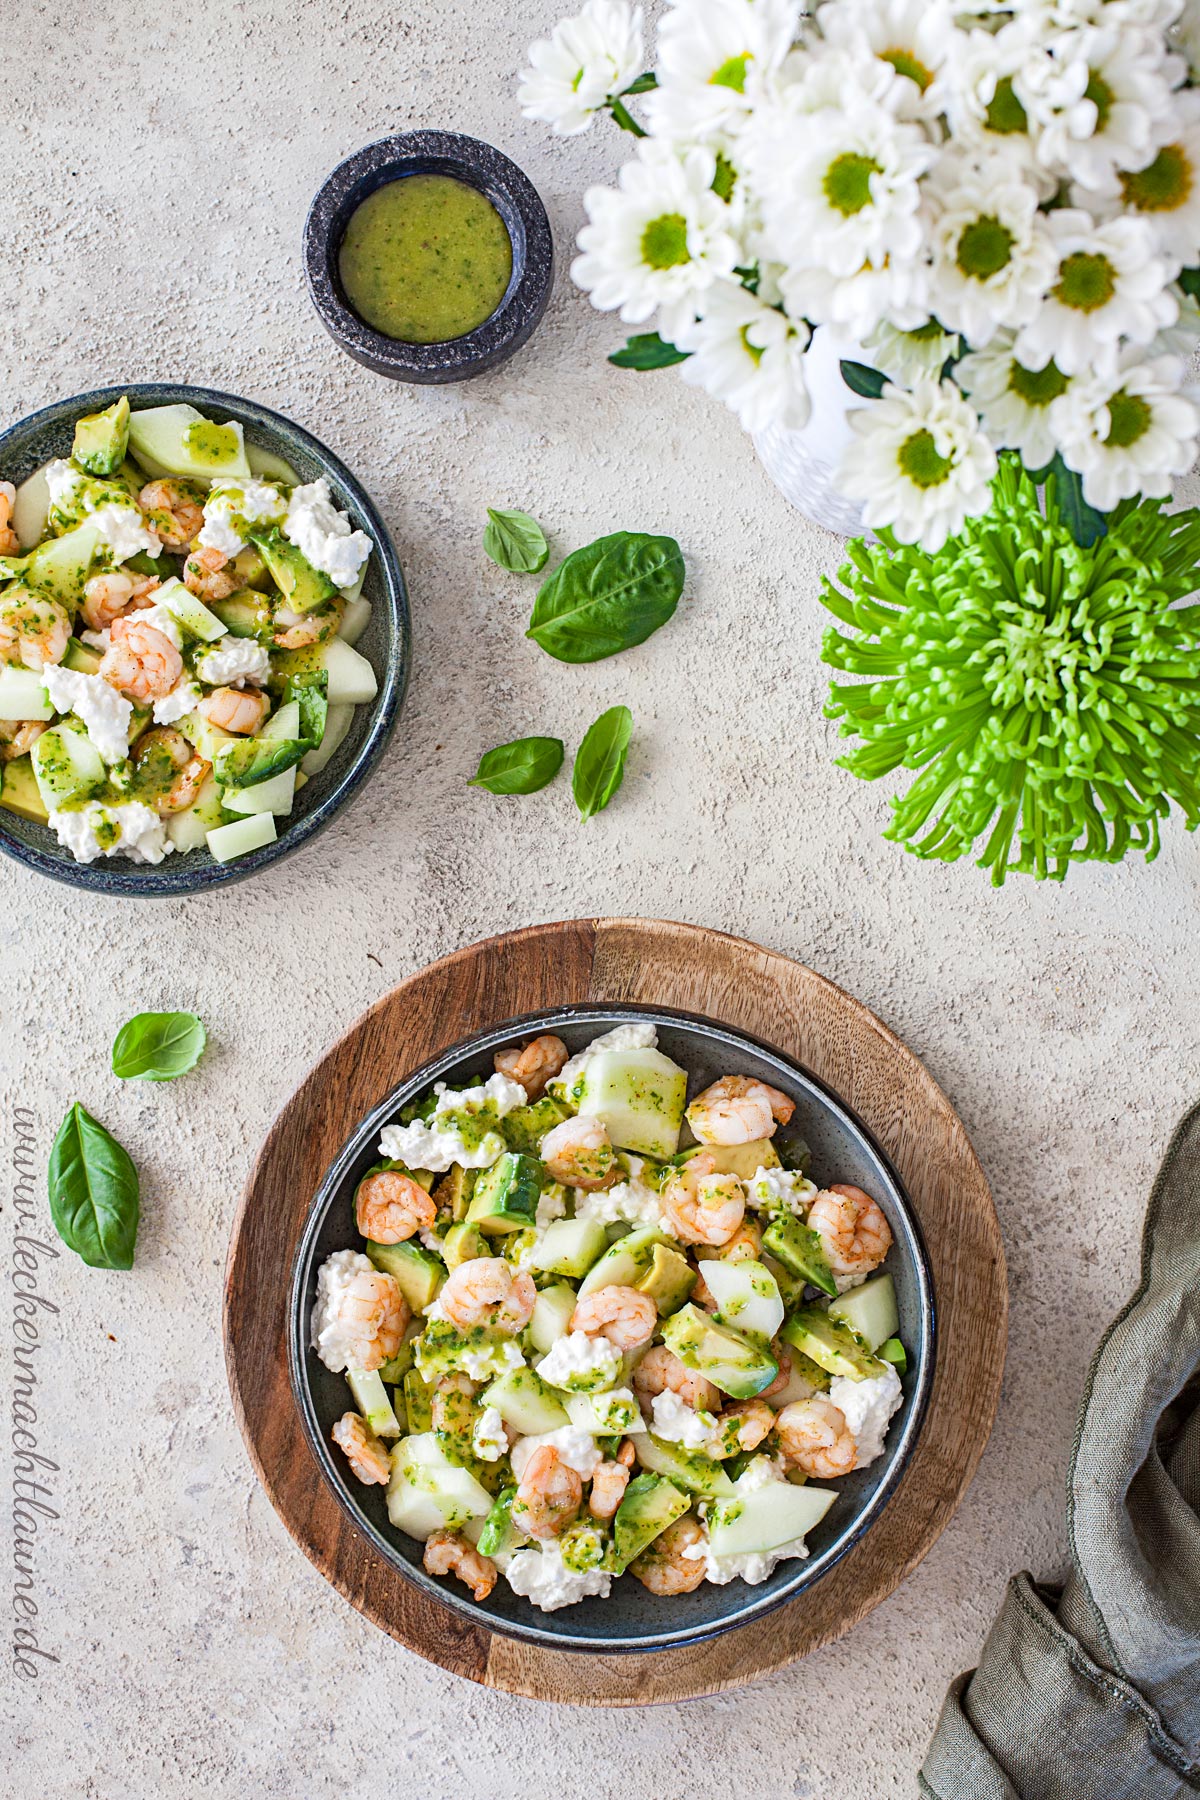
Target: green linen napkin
pixel 1092 1691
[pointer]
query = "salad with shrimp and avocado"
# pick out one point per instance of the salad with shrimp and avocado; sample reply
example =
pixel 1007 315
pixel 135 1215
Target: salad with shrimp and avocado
pixel 178 612
pixel 594 1329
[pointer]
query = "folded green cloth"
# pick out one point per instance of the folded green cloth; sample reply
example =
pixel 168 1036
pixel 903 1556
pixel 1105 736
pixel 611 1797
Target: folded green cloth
pixel 1092 1691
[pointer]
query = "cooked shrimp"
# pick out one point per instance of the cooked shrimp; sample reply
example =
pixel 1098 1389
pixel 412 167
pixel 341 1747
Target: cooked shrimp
pixel 298 631
pixel 169 769
pixel 17 736
pixel 580 1153
pixel 366 1455
pixel 746 1242
pixel 450 1553
pixel 175 512
pixel 738 1110
pixel 534 1064
pixel 390 1207
pixel 661 1369
pixel 664 1566
pixel 854 1234
pixel 140 660
pixel 608 1489
pixel 752 1421
pixel 207 574
pixel 487 1291
pixel 549 1494
pixel 10 543
pixel 33 633
pixel 235 709
pixel 814 1436
pixel 624 1316
pixel 701 1207
pixel 779 1352
pixel 373 1313
pixel 106 597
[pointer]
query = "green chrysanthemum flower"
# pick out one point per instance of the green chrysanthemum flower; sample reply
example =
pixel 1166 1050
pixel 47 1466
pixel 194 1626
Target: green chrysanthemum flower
pixel 1047 691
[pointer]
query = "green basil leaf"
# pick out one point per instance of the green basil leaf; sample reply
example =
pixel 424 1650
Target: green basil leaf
pixel 647 351
pixel 1189 281
pixel 521 767
pixel 1082 520
pixel 608 596
pixel 600 760
pixel 866 382
pixel 515 541
pixel 256 759
pixel 158 1046
pixel 93 1192
pixel 642 85
pixel 310 691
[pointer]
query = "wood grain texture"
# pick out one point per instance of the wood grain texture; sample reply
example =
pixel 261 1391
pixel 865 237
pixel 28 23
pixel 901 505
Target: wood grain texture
pixel 741 985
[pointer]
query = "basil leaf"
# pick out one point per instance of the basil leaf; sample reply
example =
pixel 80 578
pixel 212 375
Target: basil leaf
pixel 158 1046
pixel 93 1192
pixel 867 383
pixel 256 759
pixel 642 85
pixel 600 760
pixel 647 351
pixel 515 541
pixel 608 596
pixel 311 694
pixel 521 767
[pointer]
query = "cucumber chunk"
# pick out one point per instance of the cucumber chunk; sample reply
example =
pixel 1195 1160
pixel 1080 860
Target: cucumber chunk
pixel 870 1311
pixel 746 1294
pixel 570 1247
pixel 229 841
pixel 31 509
pixel 351 678
pixel 551 1316
pixel 189 830
pixel 428 1492
pixel 276 795
pixel 23 694
pixel 178 440
pixel 417 1398
pixel 190 612
pixel 266 466
pixel 370 1397
pixel 525 1402
pixel 763 1518
pixel 355 619
pixel 67 766
pixel 58 569
pixel 639 1096
pixel 731 1361
pixel 338 721
pixel 608 1414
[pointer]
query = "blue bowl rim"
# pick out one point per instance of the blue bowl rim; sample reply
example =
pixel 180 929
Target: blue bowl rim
pixel 162 881
pixel 807 1572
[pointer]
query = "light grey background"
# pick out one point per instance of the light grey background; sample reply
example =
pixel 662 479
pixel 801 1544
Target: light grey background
pixel 151 209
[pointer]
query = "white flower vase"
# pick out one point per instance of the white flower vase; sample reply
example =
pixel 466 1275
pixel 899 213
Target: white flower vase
pixel 803 464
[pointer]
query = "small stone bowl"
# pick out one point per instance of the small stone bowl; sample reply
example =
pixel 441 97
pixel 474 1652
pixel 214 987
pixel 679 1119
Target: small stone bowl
pixel 515 199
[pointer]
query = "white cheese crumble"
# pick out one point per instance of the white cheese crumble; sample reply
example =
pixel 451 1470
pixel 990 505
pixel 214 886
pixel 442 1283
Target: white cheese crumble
pixel 488 1437
pixel 575 1447
pixel 247 503
pixel 104 712
pixel 552 1205
pixel 323 535
pixel 630 1202
pixel 580 1362
pixel 433 1144
pixel 498 1095
pixel 164 620
pixel 234 660
pixel 678 1423
pixel 131 830
pixel 621 1037
pixel 333 1342
pixel 751 1566
pixel 868 1407
pixel 543 1579
pixel 183 698
pixel 125 532
pixel 62 479
pixel 781 1190
pixel 494 1359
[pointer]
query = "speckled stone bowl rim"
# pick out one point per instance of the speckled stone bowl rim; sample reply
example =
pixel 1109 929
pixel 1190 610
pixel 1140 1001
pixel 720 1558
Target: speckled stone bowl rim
pixel 744 1605
pixel 510 190
pixel 198 871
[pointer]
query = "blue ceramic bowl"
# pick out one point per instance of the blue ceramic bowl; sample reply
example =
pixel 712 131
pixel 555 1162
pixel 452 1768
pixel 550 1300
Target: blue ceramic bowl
pixel 631 1619
pixel 33 441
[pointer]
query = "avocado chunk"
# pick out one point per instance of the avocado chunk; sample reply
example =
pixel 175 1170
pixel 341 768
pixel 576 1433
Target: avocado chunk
pixel 463 1243
pixel 625 1262
pixel 453 1192
pixel 569 1247
pixel 303 587
pixel 58 569
pixel 669 1279
pixel 551 1316
pixel 417 1402
pixel 731 1360
pixel 20 793
pixel 687 1469
pixel 831 1345
pixel 798 1248
pixel 525 1402
pixel 102 438
pixel 869 1311
pixel 506 1195
pixel 79 657
pixel 650 1504
pixel 742 1160
pixel 245 614
pixel 526 1126
pixel 418 1272
pixel 499 1533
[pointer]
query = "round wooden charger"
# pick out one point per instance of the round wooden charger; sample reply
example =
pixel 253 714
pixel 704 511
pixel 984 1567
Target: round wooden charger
pixel 697 971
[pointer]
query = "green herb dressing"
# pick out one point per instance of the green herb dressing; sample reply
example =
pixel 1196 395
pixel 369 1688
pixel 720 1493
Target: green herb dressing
pixel 425 259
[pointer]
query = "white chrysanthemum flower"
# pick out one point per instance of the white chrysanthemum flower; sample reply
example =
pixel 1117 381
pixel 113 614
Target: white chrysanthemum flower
pixel 1181 338
pixel 1095 97
pixel 904 356
pixel 715 59
pixel 656 241
pixel 1109 285
pixel 1014 402
pixel 585 62
pixel 916 38
pixel 992 257
pixel 1186 34
pixel 982 107
pixel 749 355
pixel 921 463
pixel 1129 432
pixel 1166 192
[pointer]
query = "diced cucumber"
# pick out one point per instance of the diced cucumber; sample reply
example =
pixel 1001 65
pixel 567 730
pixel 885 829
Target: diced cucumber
pixel 570 1247
pixel 245 614
pixel 351 678
pixel 266 466
pixel 625 1262
pixel 189 830
pixel 23 694
pixel 746 1295
pixel 284 722
pixel 506 1195
pixel 417 1397
pixel 355 619
pixel 338 721
pixel 178 440
pixel 649 1505
pixel 31 509
pixel 67 766
pixel 19 792
pixel 428 1492
pixel 799 1249
pixel 276 795
pixel 762 1518
pixel 870 1310
pixel 551 1316
pixel 688 1469
pixel 419 1273
pixel 81 657
pixel 243 835
pixel 191 612
pixel 639 1096
pixel 608 1414
pixel 370 1397
pixel 731 1361
pixel 58 568
pixel 207 739
pixel 525 1402
pixel 830 1344
pixel 526 1126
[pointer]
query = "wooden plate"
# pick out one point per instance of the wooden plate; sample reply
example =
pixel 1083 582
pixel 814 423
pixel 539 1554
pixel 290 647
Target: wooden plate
pixel 698 971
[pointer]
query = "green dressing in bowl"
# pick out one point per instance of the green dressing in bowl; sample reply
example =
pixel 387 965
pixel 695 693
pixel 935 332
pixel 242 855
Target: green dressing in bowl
pixel 425 258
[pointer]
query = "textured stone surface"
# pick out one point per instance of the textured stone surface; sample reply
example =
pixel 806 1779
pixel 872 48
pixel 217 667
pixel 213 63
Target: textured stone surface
pixel 152 208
